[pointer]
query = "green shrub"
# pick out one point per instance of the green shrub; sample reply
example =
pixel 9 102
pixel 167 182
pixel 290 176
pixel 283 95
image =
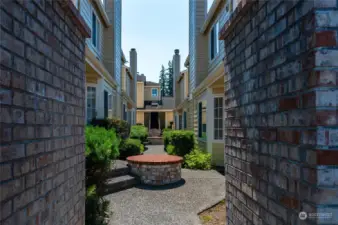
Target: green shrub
pixel 182 140
pixel 198 160
pixel 130 147
pixel 101 149
pixel 96 208
pixel 139 132
pixel 170 150
pixel 166 135
pixel 121 127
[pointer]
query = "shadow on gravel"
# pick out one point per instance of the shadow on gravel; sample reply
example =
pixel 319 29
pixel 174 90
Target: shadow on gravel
pixel 163 187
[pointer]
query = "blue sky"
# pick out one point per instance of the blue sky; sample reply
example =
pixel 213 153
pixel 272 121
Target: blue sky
pixel 155 28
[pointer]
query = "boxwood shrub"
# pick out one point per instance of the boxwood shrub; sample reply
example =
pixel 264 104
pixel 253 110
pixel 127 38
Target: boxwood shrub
pixel 121 127
pixel 197 160
pixel 130 147
pixel 101 149
pixel 139 132
pixel 182 140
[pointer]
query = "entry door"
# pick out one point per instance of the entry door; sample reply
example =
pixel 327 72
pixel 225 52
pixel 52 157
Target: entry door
pixel 105 104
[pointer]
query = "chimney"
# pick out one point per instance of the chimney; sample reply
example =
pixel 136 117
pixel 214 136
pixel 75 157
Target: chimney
pixel 177 70
pixel 133 70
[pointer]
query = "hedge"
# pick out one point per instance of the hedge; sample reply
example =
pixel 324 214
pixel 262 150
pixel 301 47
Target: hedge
pixel 139 132
pixel 182 140
pixel 121 127
pixel 130 147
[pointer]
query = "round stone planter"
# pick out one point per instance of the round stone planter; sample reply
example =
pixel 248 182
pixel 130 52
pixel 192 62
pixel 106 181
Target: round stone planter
pixel 156 169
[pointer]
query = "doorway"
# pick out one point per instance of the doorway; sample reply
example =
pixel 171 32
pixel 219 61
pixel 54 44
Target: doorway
pixel 154 120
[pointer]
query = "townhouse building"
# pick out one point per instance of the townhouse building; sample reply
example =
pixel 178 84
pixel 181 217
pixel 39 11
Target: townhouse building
pixel 106 83
pixel 200 105
pixel 128 81
pixel 153 110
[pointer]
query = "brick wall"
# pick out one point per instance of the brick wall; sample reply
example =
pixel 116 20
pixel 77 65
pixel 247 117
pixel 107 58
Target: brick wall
pixel 281 101
pixel 42 117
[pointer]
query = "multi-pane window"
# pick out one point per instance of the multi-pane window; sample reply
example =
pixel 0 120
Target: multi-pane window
pixel 95 31
pixel 185 120
pixel 202 120
pixel 154 92
pixel 213 41
pixel 218 118
pixel 91 102
pixel 180 122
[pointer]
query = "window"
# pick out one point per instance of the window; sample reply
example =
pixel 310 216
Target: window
pixel 91 103
pixel 185 120
pixel 214 42
pixel 154 92
pixel 202 120
pixel 95 31
pixel 218 118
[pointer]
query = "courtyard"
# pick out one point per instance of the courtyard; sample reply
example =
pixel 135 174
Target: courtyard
pixel 176 204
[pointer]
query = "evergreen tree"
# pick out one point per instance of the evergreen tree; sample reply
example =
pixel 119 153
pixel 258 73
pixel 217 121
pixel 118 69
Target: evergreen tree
pixel 162 81
pixel 170 79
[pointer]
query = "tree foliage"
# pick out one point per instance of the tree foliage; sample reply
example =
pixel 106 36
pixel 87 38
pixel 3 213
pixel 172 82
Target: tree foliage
pixel 166 80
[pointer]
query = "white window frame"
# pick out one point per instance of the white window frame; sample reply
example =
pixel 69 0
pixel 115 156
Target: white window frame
pixel 152 95
pixel 221 117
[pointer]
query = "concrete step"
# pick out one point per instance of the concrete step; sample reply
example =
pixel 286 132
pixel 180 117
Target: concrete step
pixel 120 183
pixel 119 168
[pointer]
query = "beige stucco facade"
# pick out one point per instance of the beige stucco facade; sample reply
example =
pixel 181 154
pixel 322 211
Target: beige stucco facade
pixel 140 95
pixel 156 112
pixel 148 93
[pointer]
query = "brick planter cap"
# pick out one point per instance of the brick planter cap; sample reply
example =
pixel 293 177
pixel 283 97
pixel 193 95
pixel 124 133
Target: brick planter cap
pixel 155 159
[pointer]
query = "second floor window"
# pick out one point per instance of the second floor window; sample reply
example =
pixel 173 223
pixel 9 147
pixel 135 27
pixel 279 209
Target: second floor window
pixel 95 31
pixel 154 92
pixel 213 41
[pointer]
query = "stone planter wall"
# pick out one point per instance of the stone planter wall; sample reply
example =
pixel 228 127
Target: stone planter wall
pixel 157 174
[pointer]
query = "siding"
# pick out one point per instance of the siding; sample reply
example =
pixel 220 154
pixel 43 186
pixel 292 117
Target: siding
pixel 117 42
pixel 197 43
pixel 148 96
pixel 222 18
pixel 140 117
pixel 217 156
pixel 140 95
pixel 169 117
pixel 86 11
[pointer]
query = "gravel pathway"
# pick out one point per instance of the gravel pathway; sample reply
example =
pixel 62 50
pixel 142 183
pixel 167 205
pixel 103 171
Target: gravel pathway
pixel 155 149
pixel 170 205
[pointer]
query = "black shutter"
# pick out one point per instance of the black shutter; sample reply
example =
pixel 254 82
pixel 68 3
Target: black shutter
pixel 200 119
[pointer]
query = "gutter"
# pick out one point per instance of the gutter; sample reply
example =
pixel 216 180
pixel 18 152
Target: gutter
pixel 103 13
pixel 210 15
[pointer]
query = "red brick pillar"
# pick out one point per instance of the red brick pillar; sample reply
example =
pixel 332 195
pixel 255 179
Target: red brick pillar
pixel 42 97
pixel 281 92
